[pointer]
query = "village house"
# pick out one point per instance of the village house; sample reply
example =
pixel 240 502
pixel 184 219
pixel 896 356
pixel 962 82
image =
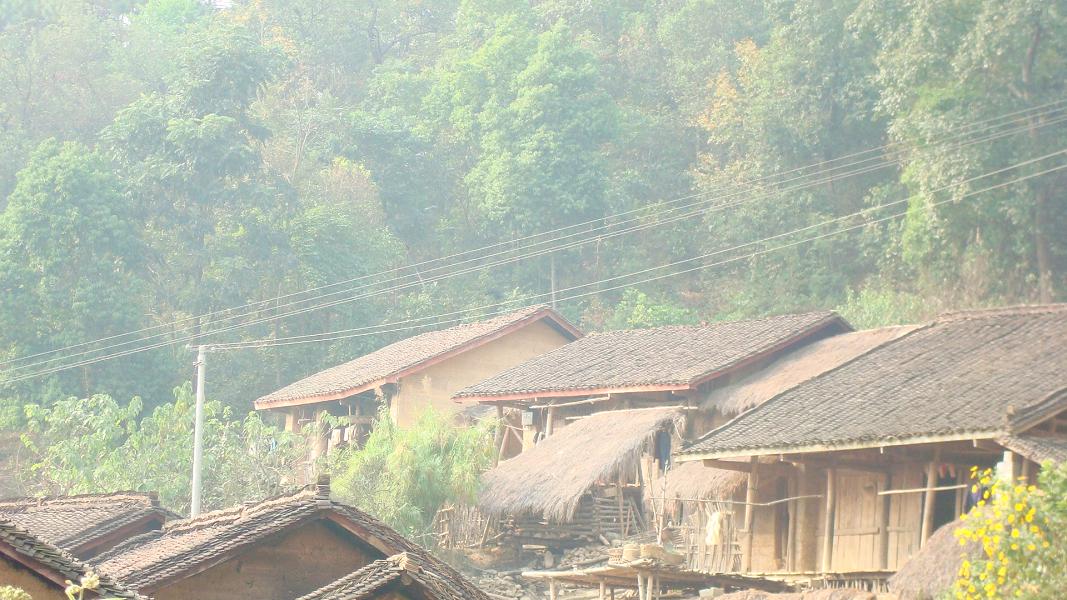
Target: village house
pixel 416 373
pixel 88 524
pixel 590 427
pixel 279 549
pixel 43 570
pixel 639 368
pixel 849 473
pixel 701 503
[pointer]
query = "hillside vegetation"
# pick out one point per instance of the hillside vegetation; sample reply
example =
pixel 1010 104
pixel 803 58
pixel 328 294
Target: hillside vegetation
pixel 163 160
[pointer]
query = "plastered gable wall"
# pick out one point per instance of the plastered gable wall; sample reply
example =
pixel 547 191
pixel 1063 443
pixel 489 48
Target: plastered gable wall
pixel 435 385
pixel 39 588
pixel 282 567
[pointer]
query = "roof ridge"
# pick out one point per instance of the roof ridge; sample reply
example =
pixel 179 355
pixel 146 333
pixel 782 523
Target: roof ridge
pixel 238 511
pixel 715 324
pixel 998 311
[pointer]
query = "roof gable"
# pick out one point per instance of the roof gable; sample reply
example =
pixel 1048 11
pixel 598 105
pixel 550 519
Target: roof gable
pixel 966 375
pixel 661 358
pixel 407 356
pixel 400 569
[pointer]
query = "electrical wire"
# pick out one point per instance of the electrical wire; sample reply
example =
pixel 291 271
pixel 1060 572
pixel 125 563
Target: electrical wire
pixel 1041 111
pixel 266 343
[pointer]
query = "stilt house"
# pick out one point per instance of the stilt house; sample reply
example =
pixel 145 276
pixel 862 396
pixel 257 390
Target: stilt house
pixel 850 472
pixel 415 373
pixel 704 505
pixel 573 412
pixel 639 368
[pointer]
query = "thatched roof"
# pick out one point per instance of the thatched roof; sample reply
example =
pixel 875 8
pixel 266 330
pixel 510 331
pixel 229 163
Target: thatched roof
pixel 934 568
pixel 694 480
pixel 551 478
pixel 798 366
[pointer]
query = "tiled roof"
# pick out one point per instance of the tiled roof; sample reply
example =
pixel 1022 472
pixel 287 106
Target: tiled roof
pixel 369 581
pixel 76 522
pixel 798 366
pixel 51 562
pixel 969 374
pixel 392 361
pixel 188 545
pixel 1037 448
pixel 676 357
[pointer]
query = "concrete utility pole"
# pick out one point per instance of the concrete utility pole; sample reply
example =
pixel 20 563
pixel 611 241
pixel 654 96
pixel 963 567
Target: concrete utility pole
pixel 198 429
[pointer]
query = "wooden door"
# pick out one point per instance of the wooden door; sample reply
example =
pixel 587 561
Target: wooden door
pixel 905 515
pixel 857 522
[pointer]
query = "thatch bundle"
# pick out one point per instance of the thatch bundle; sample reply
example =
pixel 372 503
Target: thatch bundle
pixel 693 480
pixel 551 478
pixel 797 367
pixel 933 569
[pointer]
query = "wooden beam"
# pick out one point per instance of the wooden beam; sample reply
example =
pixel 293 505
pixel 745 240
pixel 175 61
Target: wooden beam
pixel 928 500
pixel 575 403
pixel 729 465
pixel 750 499
pixel 828 525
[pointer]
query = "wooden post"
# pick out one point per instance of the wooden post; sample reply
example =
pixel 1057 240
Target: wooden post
pixel 603 591
pixel 750 499
pixel 828 525
pixel 883 524
pixel 791 536
pixel 928 499
pixel 550 417
pixel 640 585
pixel 553 590
pixel 499 433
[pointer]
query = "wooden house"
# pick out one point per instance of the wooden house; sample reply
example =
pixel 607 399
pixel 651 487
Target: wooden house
pixel 278 549
pixel 850 472
pixel 703 505
pixel 88 524
pixel 418 372
pixel 639 368
pixel 42 569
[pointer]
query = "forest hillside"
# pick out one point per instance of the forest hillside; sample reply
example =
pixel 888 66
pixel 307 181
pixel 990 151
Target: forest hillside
pixel 311 179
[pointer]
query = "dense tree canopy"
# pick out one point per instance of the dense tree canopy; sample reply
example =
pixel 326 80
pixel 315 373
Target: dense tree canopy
pixel 173 169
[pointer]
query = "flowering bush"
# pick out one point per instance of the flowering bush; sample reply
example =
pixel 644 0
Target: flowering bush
pixel 1020 531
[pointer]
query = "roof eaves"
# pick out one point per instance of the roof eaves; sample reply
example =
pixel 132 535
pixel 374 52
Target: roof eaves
pixel 728 453
pixel 573 392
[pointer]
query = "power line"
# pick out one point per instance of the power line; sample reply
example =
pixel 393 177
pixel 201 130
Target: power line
pixel 266 343
pixel 1034 112
pixel 305 339
pixel 483 266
